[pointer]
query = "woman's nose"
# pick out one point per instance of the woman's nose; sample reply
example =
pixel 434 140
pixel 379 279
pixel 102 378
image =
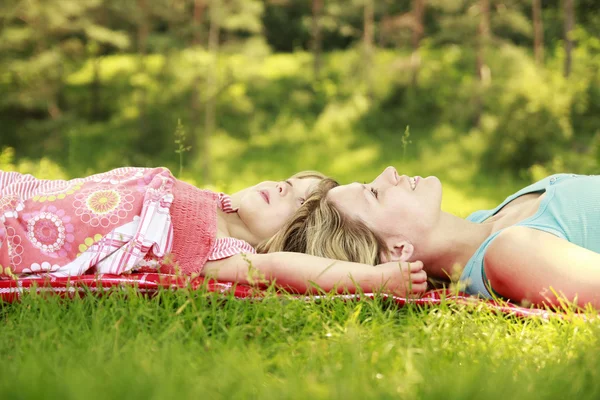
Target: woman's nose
pixel 391 173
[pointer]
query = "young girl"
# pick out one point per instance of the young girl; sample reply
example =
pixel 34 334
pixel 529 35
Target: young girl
pixel 133 219
pixel 541 243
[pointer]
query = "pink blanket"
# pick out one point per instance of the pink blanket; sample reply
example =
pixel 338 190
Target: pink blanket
pixel 150 283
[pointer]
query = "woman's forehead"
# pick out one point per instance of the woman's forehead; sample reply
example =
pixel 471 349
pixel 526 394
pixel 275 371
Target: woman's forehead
pixel 345 193
pixel 351 200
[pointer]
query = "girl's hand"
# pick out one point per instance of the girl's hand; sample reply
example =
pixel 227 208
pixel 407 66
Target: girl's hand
pixel 403 278
pixel 301 272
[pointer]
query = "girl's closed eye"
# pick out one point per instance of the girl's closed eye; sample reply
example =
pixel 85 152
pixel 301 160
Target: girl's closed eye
pixel 375 192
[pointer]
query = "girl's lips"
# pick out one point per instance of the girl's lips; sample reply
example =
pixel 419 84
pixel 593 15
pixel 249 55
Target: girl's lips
pixel 265 195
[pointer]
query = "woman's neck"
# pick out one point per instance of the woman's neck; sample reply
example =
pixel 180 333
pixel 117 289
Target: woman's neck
pixel 452 245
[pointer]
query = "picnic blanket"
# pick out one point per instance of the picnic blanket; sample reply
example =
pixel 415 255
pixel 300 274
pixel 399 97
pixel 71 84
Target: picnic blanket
pixel 11 290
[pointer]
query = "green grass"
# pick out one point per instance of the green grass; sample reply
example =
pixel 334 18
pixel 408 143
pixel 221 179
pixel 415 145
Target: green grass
pixel 200 345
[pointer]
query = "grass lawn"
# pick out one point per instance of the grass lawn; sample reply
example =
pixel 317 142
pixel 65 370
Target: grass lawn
pixel 205 346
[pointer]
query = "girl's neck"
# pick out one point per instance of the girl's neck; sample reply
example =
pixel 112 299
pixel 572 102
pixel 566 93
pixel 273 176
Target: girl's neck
pixel 453 244
pixel 231 225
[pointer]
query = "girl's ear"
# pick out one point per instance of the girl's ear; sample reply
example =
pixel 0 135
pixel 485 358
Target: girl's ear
pixel 401 250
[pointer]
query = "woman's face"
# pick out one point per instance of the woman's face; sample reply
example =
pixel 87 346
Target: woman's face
pixel 394 207
pixel 267 206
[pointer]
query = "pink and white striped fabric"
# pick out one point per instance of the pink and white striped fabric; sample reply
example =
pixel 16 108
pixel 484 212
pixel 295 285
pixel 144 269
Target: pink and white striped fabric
pixel 109 223
pixel 227 247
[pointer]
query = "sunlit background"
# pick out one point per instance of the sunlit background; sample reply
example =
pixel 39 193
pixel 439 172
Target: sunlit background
pixel 486 94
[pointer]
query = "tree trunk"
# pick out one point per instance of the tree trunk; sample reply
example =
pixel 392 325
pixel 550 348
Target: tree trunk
pixel 368 23
pixel 51 88
pixel 95 103
pixel 483 35
pixel 538 32
pixel 95 54
pixel 381 39
pixel 418 8
pixel 317 10
pixel 198 14
pixel 195 100
pixel 57 95
pixel 142 38
pixel 211 89
pixel 569 23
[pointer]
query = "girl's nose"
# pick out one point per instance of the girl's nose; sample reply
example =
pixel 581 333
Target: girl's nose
pixel 282 188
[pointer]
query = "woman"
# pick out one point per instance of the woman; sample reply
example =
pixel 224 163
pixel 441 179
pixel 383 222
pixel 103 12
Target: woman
pixel 135 219
pixel 541 243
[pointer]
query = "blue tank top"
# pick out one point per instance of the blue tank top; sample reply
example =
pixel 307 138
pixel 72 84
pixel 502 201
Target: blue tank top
pixel 570 210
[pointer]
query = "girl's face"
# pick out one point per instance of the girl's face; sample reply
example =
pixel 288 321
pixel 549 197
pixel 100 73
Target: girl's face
pixel 266 207
pixel 394 207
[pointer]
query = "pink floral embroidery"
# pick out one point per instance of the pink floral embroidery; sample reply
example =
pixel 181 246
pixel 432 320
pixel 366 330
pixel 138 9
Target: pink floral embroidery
pixel 143 182
pixel 44 267
pixel 88 242
pixel 103 206
pixel 57 193
pixel 10 205
pixel 117 176
pixel 51 231
pixel 103 201
pixel 15 249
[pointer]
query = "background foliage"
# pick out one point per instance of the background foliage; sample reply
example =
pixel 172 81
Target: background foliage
pixel 264 88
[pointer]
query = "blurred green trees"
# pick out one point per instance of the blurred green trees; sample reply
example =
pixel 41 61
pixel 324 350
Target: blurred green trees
pixel 95 84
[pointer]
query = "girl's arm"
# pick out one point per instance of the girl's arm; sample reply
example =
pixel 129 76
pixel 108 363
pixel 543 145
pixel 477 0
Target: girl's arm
pixel 527 265
pixel 302 272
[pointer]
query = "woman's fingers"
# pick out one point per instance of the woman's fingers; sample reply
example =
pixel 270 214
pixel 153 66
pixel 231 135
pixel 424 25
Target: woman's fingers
pixel 404 278
pixel 418 282
pixel 419 287
pixel 418 277
pixel 415 266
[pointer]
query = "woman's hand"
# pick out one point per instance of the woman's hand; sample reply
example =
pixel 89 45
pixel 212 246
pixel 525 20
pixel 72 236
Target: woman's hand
pixel 403 278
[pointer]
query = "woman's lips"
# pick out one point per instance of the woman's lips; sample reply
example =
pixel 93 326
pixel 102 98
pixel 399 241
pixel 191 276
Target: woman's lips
pixel 265 196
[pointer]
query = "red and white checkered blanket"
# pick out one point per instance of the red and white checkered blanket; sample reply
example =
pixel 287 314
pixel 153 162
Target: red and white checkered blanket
pixel 150 283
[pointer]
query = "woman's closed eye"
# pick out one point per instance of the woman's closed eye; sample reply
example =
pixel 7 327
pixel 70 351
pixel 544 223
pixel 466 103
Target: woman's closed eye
pixel 373 191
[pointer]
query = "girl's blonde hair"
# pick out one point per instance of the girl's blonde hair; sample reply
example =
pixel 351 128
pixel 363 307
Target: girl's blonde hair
pixel 308 174
pixel 319 229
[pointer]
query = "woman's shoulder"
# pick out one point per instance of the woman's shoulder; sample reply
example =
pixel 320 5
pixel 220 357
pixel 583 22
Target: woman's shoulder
pixel 540 185
pixel 520 243
pixel 508 246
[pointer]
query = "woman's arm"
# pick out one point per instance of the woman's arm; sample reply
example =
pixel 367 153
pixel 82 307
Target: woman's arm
pixel 301 272
pixel 527 265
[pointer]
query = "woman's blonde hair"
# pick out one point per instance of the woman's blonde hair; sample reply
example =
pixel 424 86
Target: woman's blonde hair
pixel 319 229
